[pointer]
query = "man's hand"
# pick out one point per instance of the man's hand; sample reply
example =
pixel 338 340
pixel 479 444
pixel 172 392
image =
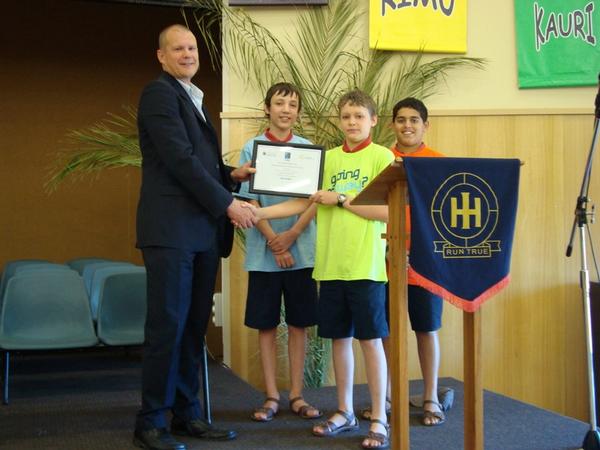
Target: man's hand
pixel 242 173
pixel 241 214
pixel 258 212
pixel 283 241
pixel 284 260
pixel 325 198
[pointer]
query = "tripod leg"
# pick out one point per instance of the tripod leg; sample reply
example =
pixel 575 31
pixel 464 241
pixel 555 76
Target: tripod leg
pixel 591 441
pixel 205 392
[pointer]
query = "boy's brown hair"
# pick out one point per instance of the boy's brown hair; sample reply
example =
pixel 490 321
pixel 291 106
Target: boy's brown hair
pixel 283 89
pixel 358 98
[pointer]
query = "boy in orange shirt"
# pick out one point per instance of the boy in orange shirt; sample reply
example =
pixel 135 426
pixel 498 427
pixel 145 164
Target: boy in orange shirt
pixel 410 123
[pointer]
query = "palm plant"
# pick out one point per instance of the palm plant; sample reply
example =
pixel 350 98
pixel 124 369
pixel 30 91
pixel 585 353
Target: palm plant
pixel 110 143
pixel 324 58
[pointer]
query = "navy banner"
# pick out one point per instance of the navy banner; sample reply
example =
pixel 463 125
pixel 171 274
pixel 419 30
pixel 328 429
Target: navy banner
pixel 463 214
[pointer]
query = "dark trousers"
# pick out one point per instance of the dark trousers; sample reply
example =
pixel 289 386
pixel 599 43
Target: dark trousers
pixel 180 290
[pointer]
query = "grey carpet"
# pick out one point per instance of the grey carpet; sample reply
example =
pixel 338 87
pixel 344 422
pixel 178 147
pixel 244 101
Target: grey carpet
pixel 88 400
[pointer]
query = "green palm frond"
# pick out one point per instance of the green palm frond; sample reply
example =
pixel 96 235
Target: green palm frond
pixel 110 143
pixel 318 354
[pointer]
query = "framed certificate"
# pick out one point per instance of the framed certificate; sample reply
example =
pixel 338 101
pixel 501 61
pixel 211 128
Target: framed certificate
pixel 283 168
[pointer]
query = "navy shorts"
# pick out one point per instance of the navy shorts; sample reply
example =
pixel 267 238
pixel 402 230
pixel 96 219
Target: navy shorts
pixel 424 309
pixel 263 304
pixel 352 309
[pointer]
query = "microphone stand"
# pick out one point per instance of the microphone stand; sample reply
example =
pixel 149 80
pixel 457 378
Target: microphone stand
pixel 592 438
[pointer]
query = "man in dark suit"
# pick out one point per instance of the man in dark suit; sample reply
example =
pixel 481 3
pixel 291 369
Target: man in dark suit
pixel 184 226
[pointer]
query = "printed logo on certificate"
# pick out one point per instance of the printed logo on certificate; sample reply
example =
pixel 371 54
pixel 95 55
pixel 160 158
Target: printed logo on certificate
pixel 283 168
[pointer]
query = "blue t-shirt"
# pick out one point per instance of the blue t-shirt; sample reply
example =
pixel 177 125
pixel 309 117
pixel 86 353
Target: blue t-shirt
pixel 258 255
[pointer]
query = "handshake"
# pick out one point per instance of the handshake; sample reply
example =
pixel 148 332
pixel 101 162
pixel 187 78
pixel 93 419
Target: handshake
pixel 243 214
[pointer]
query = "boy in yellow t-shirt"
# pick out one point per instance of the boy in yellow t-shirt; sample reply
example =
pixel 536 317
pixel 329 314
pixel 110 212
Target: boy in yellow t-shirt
pixel 350 265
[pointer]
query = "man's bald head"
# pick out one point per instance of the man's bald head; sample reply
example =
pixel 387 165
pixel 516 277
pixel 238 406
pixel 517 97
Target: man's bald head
pixel 163 36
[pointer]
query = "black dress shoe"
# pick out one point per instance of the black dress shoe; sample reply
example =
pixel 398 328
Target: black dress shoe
pixel 199 429
pixel 156 439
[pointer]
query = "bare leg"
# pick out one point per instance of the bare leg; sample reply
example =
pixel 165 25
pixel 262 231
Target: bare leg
pixel 376 367
pixel 387 350
pixel 429 357
pixel 297 355
pixel 343 367
pixel 366 413
pixel 268 357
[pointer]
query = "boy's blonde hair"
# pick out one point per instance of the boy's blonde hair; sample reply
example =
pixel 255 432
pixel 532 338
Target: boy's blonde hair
pixel 358 98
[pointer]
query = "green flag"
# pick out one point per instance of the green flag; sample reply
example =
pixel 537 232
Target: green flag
pixel 558 42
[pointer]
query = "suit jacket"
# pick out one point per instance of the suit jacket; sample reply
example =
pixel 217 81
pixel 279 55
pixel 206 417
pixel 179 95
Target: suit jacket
pixel 186 187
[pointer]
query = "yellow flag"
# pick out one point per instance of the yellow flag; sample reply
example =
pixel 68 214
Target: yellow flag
pixel 429 25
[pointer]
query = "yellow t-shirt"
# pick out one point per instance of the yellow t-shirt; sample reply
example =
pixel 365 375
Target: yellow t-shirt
pixel 349 247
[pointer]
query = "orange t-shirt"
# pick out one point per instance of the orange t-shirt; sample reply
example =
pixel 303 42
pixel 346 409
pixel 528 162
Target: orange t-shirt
pixel 422 152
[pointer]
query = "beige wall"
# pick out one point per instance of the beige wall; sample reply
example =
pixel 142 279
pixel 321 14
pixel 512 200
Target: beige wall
pixel 533 340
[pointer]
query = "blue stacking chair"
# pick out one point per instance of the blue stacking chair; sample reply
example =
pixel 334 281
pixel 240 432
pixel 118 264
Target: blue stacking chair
pixel 96 281
pixel 90 269
pixel 120 293
pixel 79 264
pixel 11 266
pixel 40 266
pixel 44 309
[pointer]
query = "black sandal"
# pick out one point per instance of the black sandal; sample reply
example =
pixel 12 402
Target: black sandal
pixel 433 415
pixel 266 410
pixel 331 428
pixel 304 409
pixel 366 413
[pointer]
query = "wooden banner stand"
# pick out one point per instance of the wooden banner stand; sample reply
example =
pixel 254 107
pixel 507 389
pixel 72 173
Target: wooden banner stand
pixel 390 188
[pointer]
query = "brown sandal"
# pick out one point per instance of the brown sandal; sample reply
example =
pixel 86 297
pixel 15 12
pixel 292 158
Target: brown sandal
pixel 331 428
pixel 433 415
pixel 303 411
pixel 366 413
pixel 382 439
pixel 266 410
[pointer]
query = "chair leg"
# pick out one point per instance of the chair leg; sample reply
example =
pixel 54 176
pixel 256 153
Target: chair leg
pixel 206 396
pixel 5 377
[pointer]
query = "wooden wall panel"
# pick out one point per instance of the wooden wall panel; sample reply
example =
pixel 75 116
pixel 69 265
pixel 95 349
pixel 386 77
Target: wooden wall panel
pixel 533 344
pixel 90 58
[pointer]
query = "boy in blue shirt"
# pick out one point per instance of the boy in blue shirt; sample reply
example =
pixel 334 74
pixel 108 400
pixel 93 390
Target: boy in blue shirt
pixel 279 261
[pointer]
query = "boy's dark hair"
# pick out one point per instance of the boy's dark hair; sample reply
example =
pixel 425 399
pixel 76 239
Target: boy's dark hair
pixel 413 103
pixel 284 89
pixel 358 98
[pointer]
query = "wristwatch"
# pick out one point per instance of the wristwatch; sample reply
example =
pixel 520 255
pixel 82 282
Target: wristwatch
pixel 341 199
